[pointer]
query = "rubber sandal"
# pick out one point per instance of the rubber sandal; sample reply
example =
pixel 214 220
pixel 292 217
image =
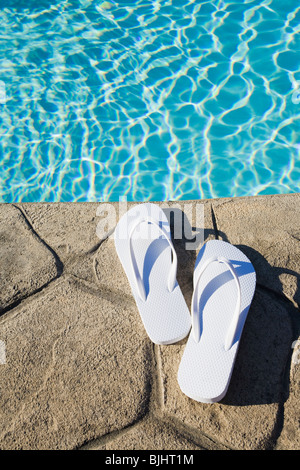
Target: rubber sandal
pixel 145 249
pixel 224 285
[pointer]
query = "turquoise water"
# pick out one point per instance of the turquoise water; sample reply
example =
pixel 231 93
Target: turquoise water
pixel 148 99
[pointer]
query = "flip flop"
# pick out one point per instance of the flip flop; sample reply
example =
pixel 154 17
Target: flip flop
pixel 144 246
pixel 224 285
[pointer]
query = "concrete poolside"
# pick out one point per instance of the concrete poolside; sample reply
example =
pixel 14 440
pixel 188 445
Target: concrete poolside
pixel 77 370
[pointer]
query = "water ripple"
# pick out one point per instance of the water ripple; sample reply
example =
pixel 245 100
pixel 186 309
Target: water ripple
pixel 151 100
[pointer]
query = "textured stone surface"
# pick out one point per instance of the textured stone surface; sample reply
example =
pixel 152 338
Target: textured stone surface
pixel 290 436
pixel 26 263
pixel 77 369
pixel 149 434
pixel 71 230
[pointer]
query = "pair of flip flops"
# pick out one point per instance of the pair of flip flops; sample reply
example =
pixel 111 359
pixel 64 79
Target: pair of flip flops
pixel 224 284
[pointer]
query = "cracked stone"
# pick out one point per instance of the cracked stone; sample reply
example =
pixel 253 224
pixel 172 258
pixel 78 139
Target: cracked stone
pixel 77 367
pixel 26 263
pixel 69 228
pixel 247 416
pixel 149 434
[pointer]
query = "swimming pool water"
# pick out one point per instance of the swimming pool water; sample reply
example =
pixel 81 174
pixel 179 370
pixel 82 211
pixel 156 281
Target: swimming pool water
pixel 148 99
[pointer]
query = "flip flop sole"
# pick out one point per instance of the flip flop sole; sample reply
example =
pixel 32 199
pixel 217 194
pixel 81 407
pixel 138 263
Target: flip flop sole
pixel 206 366
pixel 164 314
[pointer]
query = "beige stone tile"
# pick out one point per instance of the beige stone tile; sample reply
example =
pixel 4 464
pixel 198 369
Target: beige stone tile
pixel 78 366
pixel 148 434
pixel 69 228
pixel 26 263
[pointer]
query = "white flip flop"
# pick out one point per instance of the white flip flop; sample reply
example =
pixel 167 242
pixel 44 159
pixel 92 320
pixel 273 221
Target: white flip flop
pixel 144 246
pixel 224 285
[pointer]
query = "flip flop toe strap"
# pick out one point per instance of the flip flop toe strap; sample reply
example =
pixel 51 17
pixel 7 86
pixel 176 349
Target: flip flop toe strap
pixel 136 274
pixel 196 329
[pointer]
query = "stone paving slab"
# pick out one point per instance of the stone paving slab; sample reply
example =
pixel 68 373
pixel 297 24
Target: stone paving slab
pixel 78 370
pixel 74 238
pixel 147 434
pixel 26 262
pixel 69 377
